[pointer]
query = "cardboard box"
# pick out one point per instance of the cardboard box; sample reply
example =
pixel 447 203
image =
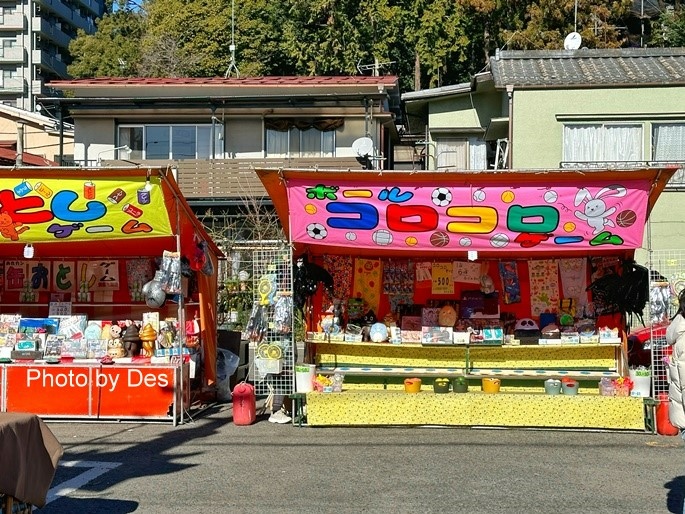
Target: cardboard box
pixel 436 335
pixel 570 338
pixel 411 336
pixel 30 355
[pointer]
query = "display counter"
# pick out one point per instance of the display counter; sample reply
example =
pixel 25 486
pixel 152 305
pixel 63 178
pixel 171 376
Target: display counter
pixel 475 408
pixel 85 390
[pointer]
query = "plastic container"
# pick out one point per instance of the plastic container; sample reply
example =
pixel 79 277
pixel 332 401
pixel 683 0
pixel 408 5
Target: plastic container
pixel 244 404
pixel 412 385
pixel 304 378
pixel 663 423
pixel 642 385
pixel 491 385
pixel 570 387
pixel 552 386
pixel 441 385
pixel 460 385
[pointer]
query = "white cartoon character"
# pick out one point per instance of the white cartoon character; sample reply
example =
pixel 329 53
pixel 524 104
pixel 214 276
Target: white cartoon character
pixel 595 212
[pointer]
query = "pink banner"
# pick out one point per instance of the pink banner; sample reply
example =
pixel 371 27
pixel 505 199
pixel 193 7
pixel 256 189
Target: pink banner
pixel 449 217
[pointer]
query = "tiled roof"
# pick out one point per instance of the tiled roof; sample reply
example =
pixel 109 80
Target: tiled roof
pixel 632 67
pixel 271 81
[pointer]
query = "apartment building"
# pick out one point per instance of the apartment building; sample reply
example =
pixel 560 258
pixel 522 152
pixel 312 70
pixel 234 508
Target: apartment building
pixel 35 38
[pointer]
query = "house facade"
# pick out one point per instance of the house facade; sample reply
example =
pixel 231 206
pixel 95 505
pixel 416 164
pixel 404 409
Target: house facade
pixel 40 138
pixel 214 131
pixel 566 108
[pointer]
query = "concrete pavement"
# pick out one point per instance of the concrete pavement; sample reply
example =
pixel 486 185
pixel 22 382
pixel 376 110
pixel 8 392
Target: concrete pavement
pixel 210 465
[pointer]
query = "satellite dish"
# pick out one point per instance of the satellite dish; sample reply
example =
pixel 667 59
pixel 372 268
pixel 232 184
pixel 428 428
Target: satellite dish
pixel 572 41
pixel 363 146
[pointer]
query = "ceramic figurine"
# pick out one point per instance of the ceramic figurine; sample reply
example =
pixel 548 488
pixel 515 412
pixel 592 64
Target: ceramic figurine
pixel 115 349
pixel 148 336
pixel 132 341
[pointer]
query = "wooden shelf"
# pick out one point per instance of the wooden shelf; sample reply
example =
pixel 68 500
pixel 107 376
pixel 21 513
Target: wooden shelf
pixel 517 374
pixel 468 346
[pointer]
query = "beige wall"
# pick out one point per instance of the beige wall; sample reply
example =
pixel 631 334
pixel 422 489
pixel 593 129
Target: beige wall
pixel 94 136
pixel 37 140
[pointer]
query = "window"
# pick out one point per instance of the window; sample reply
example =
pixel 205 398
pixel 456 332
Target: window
pixel 301 138
pixel 602 142
pixel 300 143
pixel 460 153
pixel 668 141
pixel 170 141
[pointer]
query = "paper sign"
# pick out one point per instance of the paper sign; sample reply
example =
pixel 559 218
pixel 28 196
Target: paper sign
pixel 423 271
pixel 442 278
pixel 466 272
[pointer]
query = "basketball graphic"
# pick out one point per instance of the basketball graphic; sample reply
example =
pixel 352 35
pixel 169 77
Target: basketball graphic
pixel 626 218
pixel 439 238
pixel 382 237
pixel 310 208
pixel 569 226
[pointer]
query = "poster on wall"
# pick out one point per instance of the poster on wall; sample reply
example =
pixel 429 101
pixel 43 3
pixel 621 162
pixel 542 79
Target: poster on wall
pixel 536 216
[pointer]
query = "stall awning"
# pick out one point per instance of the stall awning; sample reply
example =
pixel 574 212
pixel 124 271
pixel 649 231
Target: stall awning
pixel 95 212
pixel 115 213
pixel 449 213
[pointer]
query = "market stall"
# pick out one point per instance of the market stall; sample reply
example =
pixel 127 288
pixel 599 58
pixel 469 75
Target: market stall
pixel 514 286
pixel 108 288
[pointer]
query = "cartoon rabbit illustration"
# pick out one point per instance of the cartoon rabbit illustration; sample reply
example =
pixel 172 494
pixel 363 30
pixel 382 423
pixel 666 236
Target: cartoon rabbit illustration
pixel 595 212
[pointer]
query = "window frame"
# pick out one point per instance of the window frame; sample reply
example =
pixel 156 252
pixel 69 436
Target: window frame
pixel 199 143
pixel 604 126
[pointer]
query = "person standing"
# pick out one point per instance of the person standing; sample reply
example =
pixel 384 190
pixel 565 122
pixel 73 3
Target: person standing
pixel 675 337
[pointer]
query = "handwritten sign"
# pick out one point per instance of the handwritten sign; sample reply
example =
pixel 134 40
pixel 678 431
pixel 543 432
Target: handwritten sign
pixel 442 278
pixel 466 272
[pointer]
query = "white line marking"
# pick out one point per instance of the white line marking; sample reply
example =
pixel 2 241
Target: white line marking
pixel 94 470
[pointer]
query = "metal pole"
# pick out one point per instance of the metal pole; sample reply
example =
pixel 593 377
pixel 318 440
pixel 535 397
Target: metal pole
pixel 20 144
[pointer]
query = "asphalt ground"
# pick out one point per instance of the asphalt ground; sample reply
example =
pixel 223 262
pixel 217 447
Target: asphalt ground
pixel 210 465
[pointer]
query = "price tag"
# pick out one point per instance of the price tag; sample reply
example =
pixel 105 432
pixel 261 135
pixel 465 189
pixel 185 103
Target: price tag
pixel 442 278
pixel 466 272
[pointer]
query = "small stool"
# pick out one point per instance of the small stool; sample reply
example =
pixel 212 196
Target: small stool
pixel 650 414
pixel 299 400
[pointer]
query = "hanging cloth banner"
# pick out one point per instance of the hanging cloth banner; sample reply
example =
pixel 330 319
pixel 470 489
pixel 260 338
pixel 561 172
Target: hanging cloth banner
pixel 509 275
pixel 544 286
pixel 67 210
pixel 573 274
pixel 411 216
pixel 367 282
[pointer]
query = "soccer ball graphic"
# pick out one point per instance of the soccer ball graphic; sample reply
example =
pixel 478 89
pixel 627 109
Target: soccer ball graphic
pixel 316 231
pixel 441 196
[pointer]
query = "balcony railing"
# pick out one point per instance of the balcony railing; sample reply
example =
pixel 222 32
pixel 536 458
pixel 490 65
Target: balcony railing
pixel 234 180
pixel 677 182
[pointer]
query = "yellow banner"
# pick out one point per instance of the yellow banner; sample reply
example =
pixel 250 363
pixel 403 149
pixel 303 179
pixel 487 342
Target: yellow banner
pixel 48 209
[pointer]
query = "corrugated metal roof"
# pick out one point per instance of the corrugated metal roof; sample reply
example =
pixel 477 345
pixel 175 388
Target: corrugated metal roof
pixel 632 67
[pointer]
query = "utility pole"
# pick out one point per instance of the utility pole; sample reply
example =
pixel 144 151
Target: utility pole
pixel 20 144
